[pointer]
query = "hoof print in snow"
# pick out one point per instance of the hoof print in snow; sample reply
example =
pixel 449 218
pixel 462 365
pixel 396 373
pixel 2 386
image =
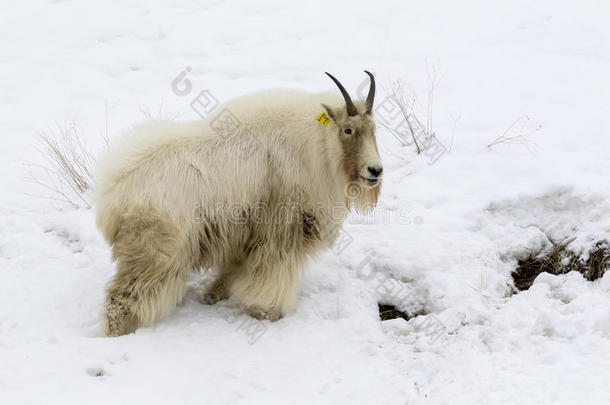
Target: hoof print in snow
pixel 561 260
pixel 68 239
pixel 96 372
pixel 387 312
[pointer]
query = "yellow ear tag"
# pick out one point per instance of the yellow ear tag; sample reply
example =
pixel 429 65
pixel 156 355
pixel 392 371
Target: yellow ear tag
pixel 323 119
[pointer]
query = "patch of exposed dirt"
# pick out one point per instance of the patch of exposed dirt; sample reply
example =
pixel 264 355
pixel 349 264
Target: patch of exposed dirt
pixel 387 312
pixel 561 260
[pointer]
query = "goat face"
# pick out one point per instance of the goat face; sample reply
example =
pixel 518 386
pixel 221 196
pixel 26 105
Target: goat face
pixel 355 128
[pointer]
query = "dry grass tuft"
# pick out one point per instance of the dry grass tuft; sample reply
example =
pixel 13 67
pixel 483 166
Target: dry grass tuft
pixel 66 173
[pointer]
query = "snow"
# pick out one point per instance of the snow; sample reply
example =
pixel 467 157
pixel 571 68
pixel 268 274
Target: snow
pixel 442 243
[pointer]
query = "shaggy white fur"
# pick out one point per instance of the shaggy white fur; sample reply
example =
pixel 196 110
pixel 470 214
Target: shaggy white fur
pixel 251 191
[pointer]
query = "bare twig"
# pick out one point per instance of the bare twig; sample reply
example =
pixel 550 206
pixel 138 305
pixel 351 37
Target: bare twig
pixel 160 115
pixel 107 107
pixel 433 80
pixel 398 94
pixel 522 137
pixel 456 118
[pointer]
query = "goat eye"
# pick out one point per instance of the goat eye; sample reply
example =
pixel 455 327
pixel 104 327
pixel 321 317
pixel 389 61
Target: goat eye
pixel 348 131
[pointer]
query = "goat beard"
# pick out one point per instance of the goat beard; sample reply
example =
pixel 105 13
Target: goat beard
pixel 365 200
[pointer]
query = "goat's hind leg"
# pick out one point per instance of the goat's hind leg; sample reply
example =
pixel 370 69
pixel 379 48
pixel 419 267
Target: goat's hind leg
pixel 153 270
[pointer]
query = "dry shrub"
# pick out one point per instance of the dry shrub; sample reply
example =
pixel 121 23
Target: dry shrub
pixel 67 171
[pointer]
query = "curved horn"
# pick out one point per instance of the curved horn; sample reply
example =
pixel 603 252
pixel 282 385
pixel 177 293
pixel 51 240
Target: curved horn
pixel 351 108
pixel 371 97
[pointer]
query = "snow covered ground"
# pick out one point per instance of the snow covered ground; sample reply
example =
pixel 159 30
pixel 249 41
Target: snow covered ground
pixel 442 244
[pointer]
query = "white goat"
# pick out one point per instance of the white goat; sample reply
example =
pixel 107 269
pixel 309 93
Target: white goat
pixel 252 198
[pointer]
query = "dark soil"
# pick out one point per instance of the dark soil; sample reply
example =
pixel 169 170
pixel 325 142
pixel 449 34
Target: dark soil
pixel 387 312
pixel 560 261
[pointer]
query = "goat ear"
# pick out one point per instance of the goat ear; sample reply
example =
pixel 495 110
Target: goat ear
pixel 330 112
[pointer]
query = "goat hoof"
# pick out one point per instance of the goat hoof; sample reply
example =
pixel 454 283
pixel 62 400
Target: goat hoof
pixel 269 315
pixel 209 299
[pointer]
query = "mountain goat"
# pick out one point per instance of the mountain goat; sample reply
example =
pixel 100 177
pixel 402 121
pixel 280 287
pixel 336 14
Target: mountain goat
pixel 250 191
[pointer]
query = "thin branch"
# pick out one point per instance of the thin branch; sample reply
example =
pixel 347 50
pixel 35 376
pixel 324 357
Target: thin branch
pixel 455 121
pixel 399 97
pixel 521 138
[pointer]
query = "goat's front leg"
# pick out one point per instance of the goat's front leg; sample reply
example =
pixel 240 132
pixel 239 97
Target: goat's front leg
pixel 267 289
pixel 219 290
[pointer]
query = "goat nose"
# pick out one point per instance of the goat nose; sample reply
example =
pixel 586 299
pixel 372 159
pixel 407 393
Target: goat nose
pixel 375 171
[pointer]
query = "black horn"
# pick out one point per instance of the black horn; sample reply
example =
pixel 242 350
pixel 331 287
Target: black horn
pixel 349 105
pixel 371 97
